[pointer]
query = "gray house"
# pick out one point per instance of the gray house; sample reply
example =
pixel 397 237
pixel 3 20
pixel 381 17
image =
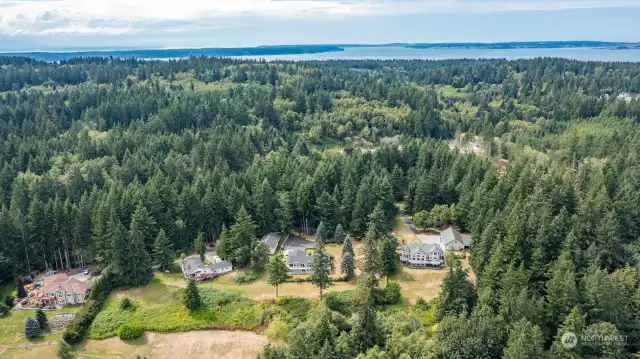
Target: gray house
pixel 271 240
pixel 299 262
pixel 452 239
pixel 194 268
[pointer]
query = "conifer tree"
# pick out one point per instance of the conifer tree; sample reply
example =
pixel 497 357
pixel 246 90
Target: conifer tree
pixel 378 223
pixel 163 251
pixel 388 257
pixel 277 271
pixel 145 224
pixel 339 234
pixel 347 266
pixel 201 248
pixel 321 268
pixel 327 211
pixel 458 294
pixel 347 247
pixel 42 319
pixel 366 331
pixel 321 232
pixel 138 270
pixel 525 342
pixel 562 292
pixel 192 298
pixel 31 328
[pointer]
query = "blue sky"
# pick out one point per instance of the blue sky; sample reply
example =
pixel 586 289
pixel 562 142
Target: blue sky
pixel 65 24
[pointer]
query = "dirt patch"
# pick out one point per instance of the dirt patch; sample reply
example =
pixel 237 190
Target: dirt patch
pixel 206 345
pixel 210 344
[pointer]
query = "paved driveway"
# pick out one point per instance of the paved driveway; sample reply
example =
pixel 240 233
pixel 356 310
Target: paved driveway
pixel 430 239
pixel 297 242
pixel 81 277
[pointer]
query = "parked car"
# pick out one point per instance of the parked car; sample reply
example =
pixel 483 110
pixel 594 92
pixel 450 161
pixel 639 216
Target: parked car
pixel 86 271
pixel 49 273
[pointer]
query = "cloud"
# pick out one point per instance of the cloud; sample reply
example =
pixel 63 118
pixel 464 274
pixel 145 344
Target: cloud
pixel 118 17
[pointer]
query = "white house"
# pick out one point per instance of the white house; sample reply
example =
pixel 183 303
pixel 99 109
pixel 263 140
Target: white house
pixel 422 255
pixel 299 262
pixel 65 291
pixel 194 268
pixel 450 239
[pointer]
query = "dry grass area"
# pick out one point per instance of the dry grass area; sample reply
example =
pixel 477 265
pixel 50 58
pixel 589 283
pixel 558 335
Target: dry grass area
pixel 208 344
pixel 414 282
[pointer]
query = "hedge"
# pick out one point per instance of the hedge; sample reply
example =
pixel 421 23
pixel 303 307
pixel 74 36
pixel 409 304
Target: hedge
pixel 77 329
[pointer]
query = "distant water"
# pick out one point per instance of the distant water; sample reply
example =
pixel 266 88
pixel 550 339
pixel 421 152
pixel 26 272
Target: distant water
pixel 389 53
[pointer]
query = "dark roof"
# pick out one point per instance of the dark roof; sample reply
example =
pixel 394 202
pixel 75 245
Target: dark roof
pixel 271 240
pixel 298 255
pixel 297 242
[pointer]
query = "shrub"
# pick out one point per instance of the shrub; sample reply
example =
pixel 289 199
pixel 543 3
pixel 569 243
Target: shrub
pixel 64 350
pixel 130 331
pixel 341 302
pixel 246 278
pixel 392 293
pixel 3 309
pixel 125 303
pixel 8 300
pixel 277 331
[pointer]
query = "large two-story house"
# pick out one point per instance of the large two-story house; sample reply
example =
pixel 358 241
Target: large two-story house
pixel 63 290
pixel 299 262
pixel 422 255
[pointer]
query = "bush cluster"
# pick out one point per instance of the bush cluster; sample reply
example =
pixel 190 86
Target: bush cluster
pixel 130 331
pixel 246 278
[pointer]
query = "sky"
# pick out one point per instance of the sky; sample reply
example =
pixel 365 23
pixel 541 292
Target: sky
pixel 89 24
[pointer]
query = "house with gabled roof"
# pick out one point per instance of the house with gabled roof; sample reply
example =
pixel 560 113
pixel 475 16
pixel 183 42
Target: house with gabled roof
pixel 300 262
pixel 196 269
pixel 451 239
pixel 271 240
pixel 63 290
pixel 422 255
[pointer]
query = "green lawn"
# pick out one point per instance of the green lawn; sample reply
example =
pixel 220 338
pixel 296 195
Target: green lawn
pixel 158 307
pixel 12 325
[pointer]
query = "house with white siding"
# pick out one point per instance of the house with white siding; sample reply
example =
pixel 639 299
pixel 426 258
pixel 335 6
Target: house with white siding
pixel 422 255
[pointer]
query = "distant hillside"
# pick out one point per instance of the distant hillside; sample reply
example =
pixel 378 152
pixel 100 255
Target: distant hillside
pixel 181 53
pixel 308 49
pixel 530 45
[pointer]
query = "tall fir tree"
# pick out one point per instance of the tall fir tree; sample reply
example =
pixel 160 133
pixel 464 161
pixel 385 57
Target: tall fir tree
pixel 192 299
pixel 388 257
pixel 525 342
pixel 321 268
pixel 138 270
pixel 321 233
pixel 200 246
pixel 347 266
pixel 339 234
pixel 163 251
pixel 277 271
